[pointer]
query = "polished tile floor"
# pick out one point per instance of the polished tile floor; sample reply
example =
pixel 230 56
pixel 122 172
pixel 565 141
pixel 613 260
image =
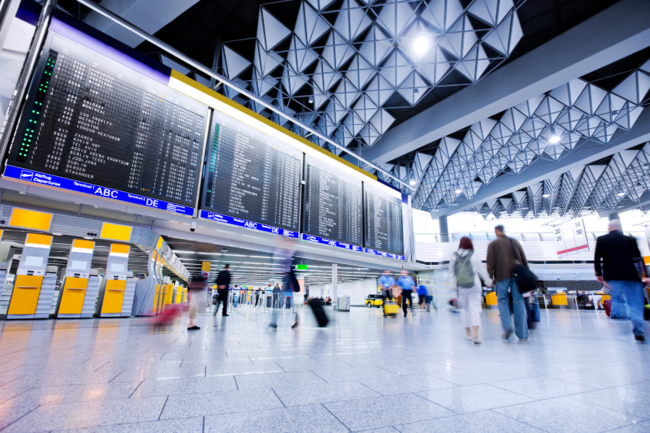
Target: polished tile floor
pixel 579 372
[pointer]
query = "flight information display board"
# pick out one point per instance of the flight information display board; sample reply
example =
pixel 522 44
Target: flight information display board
pixel 91 119
pixel 383 221
pixel 251 175
pixel 332 206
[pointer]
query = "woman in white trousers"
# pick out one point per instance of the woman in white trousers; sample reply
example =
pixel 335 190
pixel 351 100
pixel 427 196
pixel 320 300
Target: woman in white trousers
pixel 464 269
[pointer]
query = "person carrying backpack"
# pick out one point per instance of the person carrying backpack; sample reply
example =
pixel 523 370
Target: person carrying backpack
pixel 464 270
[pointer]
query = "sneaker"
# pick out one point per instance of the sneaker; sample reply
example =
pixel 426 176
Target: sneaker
pixel 295 325
pixel 506 334
pixel 639 337
pixel 468 337
pixel 477 341
pixel 273 326
pixel 225 315
pixel 193 328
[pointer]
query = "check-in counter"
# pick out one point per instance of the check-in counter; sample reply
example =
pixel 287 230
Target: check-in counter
pixel 116 293
pixel 168 292
pixel 78 296
pixel 35 282
pixel 178 293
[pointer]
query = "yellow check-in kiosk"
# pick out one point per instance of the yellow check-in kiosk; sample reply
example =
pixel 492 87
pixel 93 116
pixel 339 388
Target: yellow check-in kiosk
pixel 79 291
pixel 178 293
pixel 116 292
pixel 168 291
pixel 35 283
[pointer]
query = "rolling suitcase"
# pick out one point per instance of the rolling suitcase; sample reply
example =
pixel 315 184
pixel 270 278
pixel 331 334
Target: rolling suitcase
pixel 319 312
pixel 391 308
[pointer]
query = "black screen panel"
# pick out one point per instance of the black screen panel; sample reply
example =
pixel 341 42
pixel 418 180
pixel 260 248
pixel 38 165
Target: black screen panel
pixel 92 119
pixel 333 203
pixel 383 221
pixel 251 175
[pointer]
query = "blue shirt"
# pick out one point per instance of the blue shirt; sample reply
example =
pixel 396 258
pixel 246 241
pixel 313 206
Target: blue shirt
pixel 422 290
pixel 406 283
pixel 386 281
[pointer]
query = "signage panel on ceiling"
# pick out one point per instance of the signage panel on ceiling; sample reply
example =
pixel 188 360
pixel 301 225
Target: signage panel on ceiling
pixel 92 120
pixel 330 242
pixel 571 238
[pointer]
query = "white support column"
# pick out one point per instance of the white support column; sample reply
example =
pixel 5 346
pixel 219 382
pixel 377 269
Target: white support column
pixel 335 278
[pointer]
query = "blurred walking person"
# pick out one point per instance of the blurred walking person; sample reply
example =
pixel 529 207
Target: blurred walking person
pixel 223 282
pixel 289 286
pixel 406 283
pixel 197 290
pixel 466 272
pixel 422 297
pixel 386 282
pixel 614 263
pixel 503 255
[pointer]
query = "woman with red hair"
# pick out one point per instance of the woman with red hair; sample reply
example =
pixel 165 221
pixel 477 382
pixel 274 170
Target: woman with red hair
pixel 464 269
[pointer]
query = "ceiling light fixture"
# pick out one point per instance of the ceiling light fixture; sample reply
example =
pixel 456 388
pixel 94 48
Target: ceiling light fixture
pixel 412 182
pixel 620 194
pixel 554 139
pixel 421 45
pixel 546 195
pixel 458 190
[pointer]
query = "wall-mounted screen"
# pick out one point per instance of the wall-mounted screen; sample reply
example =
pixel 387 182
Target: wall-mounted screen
pixel 91 119
pixel 332 204
pixel 383 220
pixel 251 175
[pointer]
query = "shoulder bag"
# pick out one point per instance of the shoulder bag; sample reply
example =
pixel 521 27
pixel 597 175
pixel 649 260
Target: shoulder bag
pixel 526 279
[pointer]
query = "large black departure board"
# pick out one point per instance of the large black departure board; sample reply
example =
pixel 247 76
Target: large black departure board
pixel 332 206
pixel 92 119
pixel 251 175
pixel 383 220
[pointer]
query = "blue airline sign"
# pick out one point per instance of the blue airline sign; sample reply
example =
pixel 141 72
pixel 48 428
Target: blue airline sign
pixel 331 243
pixel 384 254
pixel 94 190
pixel 226 219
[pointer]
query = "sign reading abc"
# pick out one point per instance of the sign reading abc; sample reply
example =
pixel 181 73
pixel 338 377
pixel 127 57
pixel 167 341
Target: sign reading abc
pixel 94 190
pixel 226 219
pixel 330 242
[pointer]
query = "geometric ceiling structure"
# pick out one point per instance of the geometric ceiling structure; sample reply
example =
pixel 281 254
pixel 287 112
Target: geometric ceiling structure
pixel 602 186
pixel 345 66
pixel 546 127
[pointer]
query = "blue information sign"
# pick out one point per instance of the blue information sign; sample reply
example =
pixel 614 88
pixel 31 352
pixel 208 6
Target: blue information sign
pixel 384 254
pixel 226 219
pixel 94 190
pixel 330 242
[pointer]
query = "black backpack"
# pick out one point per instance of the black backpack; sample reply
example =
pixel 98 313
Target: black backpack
pixel 526 279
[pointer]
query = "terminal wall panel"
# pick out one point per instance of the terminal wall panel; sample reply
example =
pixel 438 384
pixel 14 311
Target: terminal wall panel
pixel 332 206
pixel 89 118
pixel 251 175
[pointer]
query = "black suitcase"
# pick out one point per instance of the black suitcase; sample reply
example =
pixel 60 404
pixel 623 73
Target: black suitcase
pixel 319 312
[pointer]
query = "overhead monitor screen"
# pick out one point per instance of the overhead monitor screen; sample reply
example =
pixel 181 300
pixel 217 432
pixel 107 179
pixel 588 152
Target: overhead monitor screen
pixel 251 175
pixel 332 207
pixel 383 217
pixel 92 119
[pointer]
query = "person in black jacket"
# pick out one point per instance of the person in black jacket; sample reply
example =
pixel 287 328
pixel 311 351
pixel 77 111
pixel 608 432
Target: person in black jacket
pixel 223 282
pixel 618 254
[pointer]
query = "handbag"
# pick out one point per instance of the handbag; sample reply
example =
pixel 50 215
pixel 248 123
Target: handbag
pixel 525 278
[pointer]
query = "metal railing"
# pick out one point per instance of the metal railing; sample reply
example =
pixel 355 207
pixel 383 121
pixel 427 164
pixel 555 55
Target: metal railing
pixel 490 236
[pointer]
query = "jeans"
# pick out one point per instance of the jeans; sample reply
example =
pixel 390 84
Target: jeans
pixel 521 324
pixel 406 294
pixel 633 292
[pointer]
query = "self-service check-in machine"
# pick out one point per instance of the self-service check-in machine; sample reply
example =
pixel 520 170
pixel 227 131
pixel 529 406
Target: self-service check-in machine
pixel 117 289
pixel 35 282
pixel 79 291
pixel 178 293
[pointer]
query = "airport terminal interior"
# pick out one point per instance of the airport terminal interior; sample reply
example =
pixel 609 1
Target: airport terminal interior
pixel 324 216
